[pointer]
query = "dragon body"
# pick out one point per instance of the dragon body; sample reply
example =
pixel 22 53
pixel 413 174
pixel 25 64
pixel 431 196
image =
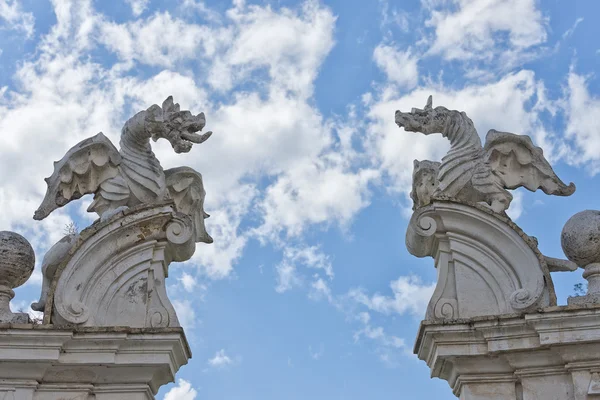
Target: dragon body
pixel 127 177
pixel 474 173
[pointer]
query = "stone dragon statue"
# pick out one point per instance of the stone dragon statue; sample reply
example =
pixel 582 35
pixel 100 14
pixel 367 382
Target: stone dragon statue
pixel 128 177
pixel 474 173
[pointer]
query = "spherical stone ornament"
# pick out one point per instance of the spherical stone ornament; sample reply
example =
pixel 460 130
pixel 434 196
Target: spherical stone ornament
pixel 17 259
pixel 580 238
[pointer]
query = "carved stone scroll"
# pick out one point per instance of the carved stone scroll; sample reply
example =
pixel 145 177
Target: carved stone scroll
pixel 486 264
pixel 115 273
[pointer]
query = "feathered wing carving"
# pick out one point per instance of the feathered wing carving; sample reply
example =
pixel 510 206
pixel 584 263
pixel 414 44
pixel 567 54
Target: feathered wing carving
pixel 81 171
pixel 516 161
pixel 187 191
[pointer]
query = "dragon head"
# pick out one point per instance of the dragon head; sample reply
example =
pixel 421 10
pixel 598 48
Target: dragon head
pixel 178 127
pixel 429 120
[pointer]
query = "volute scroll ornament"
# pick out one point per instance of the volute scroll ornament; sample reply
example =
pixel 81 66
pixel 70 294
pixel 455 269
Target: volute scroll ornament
pixel 486 264
pixel 113 272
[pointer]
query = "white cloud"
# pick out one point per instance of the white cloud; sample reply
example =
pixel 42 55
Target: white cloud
pixel 18 306
pixel 582 128
pixel 220 360
pixel 329 188
pixel 486 30
pixel 188 282
pixel 399 66
pixel 202 9
pixel 13 17
pixel 138 6
pixel 569 32
pixel 162 40
pixel 185 314
pixel 409 296
pixel 392 17
pixel 292 61
pixel 387 347
pixel 287 277
pixel 319 289
pixel 183 391
pixel 272 130
pixel 310 257
pixel 516 206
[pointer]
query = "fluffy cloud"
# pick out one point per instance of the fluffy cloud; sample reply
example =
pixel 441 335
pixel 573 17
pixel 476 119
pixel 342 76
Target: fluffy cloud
pixel 399 66
pixel 409 296
pixel 582 128
pixel 467 29
pixel 221 360
pixel 269 129
pixel 13 17
pixel 309 257
pixel 137 6
pixel 388 347
pixel 183 391
pixel 185 314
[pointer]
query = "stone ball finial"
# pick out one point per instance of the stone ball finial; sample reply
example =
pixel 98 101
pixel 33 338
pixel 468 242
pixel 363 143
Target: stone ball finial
pixel 17 259
pixel 580 238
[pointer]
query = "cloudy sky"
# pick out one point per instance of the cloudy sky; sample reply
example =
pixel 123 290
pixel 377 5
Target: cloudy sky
pixel 308 291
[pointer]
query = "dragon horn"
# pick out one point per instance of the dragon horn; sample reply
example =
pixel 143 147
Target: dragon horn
pixel 429 104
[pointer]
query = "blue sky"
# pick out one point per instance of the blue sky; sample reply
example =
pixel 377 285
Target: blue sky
pixel 308 290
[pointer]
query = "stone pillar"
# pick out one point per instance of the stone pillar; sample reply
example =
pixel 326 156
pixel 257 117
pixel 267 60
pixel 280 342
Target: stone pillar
pixel 516 344
pixel 553 354
pixel 109 330
pixel 43 362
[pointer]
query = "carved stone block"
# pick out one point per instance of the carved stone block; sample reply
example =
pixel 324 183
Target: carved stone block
pixel 486 264
pixel 115 273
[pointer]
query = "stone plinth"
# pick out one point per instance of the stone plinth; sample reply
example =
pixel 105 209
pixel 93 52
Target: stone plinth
pixel 114 275
pixel 486 264
pixel 552 354
pixel 45 362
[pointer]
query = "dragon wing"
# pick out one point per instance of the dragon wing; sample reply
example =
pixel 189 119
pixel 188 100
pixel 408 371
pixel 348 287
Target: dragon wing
pixel 187 191
pixel 518 162
pixel 81 171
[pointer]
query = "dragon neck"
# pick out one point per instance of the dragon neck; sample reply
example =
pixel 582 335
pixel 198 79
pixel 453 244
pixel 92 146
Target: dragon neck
pixel 460 131
pixel 140 166
pixel 459 164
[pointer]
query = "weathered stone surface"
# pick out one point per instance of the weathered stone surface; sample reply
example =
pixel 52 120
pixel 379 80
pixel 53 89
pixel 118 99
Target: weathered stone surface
pixel 474 174
pixel 127 178
pixel 17 261
pixel 115 273
pixel 52 260
pixel 553 354
pixel 425 182
pixel 45 362
pixel 486 264
pixel 580 240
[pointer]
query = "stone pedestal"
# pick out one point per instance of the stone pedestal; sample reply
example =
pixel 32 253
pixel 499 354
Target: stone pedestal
pixel 552 354
pixel 486 264
pixel 45 362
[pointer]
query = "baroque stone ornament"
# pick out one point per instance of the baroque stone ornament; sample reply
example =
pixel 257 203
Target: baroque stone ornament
pixel 113 272
pixel 17 261
pixel 486 264
pixel 580 240
pixel 473 173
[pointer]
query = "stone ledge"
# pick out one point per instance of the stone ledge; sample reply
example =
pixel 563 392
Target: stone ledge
pixel 107 359
pixel 557 345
